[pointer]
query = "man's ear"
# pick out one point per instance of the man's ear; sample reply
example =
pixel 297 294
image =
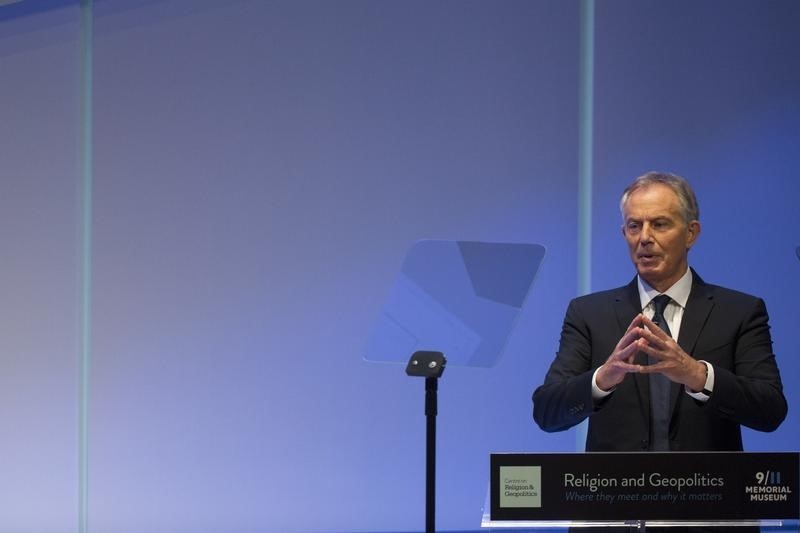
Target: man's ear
pixel 692 233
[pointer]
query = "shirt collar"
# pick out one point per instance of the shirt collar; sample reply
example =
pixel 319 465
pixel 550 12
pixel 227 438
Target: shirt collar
pixel 679 292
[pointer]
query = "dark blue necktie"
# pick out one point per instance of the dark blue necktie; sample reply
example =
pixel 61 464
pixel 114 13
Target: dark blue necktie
pixel 659 386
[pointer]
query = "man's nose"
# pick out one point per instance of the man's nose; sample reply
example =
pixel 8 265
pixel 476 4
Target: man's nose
pixel 645 234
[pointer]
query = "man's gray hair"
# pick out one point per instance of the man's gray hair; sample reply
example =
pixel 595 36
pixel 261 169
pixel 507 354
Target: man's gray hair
pixel 689 208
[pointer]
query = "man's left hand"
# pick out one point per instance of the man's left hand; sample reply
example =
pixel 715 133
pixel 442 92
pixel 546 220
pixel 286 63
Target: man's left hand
pixel 673 362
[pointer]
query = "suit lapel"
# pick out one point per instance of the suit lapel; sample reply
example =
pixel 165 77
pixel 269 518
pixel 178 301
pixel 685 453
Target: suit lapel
pixel 695 316
pixel 627 306
pixel 698 307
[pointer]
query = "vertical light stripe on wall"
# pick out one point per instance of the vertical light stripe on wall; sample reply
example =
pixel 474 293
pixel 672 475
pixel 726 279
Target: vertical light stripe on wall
pixel 585 110
pixel 585 127
pixel 85 269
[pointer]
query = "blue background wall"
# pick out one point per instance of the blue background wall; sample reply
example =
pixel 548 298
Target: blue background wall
pixel 258 170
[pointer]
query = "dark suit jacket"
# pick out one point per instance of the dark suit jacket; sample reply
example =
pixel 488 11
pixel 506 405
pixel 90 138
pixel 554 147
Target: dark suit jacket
pixel 727 328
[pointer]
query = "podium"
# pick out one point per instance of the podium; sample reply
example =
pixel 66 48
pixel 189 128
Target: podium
pixel 645 489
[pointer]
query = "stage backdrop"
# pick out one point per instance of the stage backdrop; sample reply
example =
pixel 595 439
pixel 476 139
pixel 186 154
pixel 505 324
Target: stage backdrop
pixel 204 204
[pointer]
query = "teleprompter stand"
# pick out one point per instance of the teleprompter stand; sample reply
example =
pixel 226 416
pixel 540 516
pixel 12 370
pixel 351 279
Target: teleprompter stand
pixel 461 298
pixel 429 365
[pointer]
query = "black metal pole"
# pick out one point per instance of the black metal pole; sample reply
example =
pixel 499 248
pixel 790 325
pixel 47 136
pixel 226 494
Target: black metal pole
pixel 431 409
pixel 429 365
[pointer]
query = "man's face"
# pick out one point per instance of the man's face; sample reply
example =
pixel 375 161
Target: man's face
pixel 658 237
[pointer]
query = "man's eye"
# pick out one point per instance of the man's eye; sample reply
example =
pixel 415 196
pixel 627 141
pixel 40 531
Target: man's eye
pixel 633 227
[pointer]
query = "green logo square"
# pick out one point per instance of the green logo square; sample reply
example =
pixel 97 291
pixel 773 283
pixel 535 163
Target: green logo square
pixel 520 486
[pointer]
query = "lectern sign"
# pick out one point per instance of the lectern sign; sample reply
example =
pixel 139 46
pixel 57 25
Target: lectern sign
pixel 645 486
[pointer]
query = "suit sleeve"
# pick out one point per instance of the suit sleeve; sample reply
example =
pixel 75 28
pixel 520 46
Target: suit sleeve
pixel 749 391
pixel 565 397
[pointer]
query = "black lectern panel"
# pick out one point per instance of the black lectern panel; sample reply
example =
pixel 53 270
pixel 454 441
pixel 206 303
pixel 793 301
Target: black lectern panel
pixel 672 487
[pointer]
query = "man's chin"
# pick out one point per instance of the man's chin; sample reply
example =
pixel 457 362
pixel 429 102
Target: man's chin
pixel 648 273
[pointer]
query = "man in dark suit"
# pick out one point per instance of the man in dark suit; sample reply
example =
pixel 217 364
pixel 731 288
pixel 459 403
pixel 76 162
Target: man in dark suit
pixel 710 354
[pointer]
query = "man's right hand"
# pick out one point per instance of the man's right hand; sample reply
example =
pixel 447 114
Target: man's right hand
pixel 620 362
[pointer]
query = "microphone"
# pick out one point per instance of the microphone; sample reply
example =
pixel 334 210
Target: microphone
pixel 797 251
